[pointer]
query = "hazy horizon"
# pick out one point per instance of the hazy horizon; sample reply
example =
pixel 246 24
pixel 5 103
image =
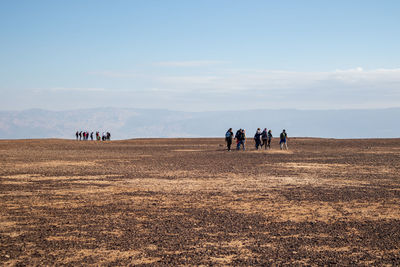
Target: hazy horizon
pixel 189 111
pixel 158 123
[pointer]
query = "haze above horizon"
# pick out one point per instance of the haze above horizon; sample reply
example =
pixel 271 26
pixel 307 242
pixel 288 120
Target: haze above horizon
pixel 200 55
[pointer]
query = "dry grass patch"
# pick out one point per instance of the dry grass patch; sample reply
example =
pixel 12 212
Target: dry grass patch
pixel 104 256
pixel 272 151
pixel 327 248
pixel 188 150
pixel 54 164
pixel 69 238
pixel 373 211
pixel 223 260
pixel 317 166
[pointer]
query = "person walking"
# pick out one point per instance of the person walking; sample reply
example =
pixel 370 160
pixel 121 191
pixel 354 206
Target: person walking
pixel 244 139
pixel 91 136
pixel 228 138
pixel 264 138
pixel 257 138
pixel 77 135
pixel 269 139
pixel 283 140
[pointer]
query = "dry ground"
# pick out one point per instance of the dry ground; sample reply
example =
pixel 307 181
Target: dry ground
pixel 189 202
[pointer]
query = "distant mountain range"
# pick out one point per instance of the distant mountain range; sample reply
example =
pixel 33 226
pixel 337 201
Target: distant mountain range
pixel 126 123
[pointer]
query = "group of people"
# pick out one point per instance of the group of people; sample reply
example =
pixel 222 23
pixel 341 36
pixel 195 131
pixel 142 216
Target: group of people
pixel 84 135
pixel 261 138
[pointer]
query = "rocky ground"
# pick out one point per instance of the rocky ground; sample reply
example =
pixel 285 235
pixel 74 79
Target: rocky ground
pixel 190 202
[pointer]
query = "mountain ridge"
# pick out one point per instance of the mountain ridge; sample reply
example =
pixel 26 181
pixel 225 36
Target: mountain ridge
pixel 126 123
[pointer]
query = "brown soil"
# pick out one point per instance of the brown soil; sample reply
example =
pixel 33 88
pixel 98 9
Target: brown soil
pixel 190 202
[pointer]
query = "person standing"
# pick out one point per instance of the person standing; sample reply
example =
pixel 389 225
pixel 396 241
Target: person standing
pixel 257 138
pixel 241 139
pixel 91 136
pixel 77 135
pixel 228 138
pixel 237 136
pixel 283 140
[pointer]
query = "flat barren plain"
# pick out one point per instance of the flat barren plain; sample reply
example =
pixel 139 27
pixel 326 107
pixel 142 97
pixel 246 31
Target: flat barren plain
pixel 190 202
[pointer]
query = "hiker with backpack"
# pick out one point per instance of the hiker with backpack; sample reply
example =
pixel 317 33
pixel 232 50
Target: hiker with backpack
pixel 257 138
pixel 241 139
pixel 237 135
pixel 228 138
pixel 264 138
pixel 283 140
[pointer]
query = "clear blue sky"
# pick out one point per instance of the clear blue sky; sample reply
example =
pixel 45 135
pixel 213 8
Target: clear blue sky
pixel 199 55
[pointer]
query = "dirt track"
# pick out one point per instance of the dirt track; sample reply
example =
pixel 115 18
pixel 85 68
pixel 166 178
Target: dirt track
pixel 187 201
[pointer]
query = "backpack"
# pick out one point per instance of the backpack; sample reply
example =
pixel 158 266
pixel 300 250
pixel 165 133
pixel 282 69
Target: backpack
pixel 264 135
pixel 228 135
pixel 237 136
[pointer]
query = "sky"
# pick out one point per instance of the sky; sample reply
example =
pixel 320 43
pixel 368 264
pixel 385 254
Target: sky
pixel 200 55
